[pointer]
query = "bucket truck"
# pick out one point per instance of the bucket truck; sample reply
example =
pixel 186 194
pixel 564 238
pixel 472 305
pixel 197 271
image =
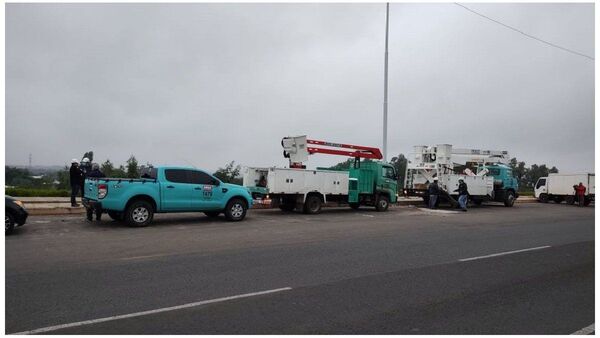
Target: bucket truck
pixel 369 181
pixel 486 173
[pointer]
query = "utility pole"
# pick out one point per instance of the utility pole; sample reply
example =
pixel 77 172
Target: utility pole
pixel 385 82
pixel 29 160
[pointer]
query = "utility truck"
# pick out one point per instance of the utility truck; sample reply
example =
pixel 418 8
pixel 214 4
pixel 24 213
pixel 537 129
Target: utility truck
pixel 559 187
pixel 486 173
pixel 369 181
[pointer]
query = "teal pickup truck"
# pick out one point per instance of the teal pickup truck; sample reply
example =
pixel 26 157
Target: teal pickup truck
pixel 163 190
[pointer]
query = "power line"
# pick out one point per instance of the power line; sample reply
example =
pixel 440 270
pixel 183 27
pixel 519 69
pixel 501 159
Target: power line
pixel 523 33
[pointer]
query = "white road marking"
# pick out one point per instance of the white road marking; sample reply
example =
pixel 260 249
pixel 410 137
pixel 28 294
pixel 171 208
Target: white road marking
pixel 142 257
pixel 149 312
pixel 586 330
pixel 438 211
pixel 366 215
pixel 503 253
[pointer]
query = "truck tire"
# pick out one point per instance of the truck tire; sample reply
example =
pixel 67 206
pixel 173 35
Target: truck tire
pixel 236 209
pixel 115 215
pixel 509 199
pixel 354 206
pixel 382 204
pixel 139 214
pixel 543 198
pixel 312 205
pixel 570 200
pixel 212 214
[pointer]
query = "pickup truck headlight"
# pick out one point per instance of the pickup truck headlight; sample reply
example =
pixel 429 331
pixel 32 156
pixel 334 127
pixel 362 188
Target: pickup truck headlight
pixel 102 190
pixel 19 203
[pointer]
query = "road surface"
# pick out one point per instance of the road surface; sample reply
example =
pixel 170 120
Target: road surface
pixel 491 270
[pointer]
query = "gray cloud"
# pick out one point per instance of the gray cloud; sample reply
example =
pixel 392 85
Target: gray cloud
pixel 208 83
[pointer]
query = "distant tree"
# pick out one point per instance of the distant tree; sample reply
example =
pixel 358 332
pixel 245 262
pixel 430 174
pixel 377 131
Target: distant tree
pixel 63 178
pixel 120 172
pixel 399 162
pixel 107 168
pixel 132 167
pixel 229 174
pixel 344 165
pixel 553 170
pixel 14 175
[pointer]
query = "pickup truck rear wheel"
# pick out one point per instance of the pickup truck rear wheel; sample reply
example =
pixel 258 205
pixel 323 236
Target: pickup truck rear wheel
pixel 236 210
pixel 139 214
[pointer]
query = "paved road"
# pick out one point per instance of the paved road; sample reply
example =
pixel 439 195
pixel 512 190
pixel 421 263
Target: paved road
pixel 349 272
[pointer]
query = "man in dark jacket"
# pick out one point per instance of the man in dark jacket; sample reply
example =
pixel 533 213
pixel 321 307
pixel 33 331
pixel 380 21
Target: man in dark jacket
pixel 463 194
pixel 75 177
pixel 433 190
pixel 95 173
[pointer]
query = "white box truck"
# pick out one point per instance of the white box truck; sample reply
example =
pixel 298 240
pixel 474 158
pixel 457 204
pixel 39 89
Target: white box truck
pixel 560 187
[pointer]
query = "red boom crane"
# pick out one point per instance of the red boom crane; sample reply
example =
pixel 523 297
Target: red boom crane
pixel 296 149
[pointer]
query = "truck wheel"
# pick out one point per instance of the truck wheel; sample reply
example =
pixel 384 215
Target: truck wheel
pixel 570 200
pixel 9 222
pixel 115 215
pixel 212 214
pixel 312 204
pixel 383 203
pixel 509 199
pixel 587 201
pixel 139 214
pixel 543 198
pixel 236 210
pixel 354 206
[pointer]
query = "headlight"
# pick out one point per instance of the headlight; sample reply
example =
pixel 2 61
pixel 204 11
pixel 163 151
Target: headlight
pixel 19 203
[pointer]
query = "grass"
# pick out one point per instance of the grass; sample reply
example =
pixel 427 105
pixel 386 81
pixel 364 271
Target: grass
pixel 34 192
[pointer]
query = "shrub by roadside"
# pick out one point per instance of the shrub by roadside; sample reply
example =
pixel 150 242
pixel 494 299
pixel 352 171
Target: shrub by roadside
pixel 31 192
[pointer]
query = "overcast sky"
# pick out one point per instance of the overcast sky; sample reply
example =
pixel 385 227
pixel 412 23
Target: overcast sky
pixel 203 84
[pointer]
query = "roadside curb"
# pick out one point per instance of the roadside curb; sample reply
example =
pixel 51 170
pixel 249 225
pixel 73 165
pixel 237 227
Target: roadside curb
pixel 37 207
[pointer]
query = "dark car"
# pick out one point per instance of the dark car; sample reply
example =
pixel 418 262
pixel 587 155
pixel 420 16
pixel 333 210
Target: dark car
pixel 15 214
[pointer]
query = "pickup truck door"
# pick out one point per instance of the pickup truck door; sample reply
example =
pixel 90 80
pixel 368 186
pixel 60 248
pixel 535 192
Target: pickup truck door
pixel 176 190
pixel 206 193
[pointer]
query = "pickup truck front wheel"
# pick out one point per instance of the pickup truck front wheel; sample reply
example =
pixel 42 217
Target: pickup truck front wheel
pixel 236 210
pixel 139 214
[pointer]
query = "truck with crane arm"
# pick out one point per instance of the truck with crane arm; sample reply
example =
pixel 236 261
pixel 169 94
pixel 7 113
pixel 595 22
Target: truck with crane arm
pixel 486 173
pixel 368 182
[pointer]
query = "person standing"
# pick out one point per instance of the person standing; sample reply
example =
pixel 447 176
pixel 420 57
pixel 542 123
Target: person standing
pixel 85 168
pixel 95 173
pixel 463 194
pixel 75 176
pixel 580 191
pixel 433 190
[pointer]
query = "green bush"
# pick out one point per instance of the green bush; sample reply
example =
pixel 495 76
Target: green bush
pixel 31 192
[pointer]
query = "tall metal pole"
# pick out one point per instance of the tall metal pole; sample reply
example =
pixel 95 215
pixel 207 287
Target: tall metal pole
pixel 385 82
